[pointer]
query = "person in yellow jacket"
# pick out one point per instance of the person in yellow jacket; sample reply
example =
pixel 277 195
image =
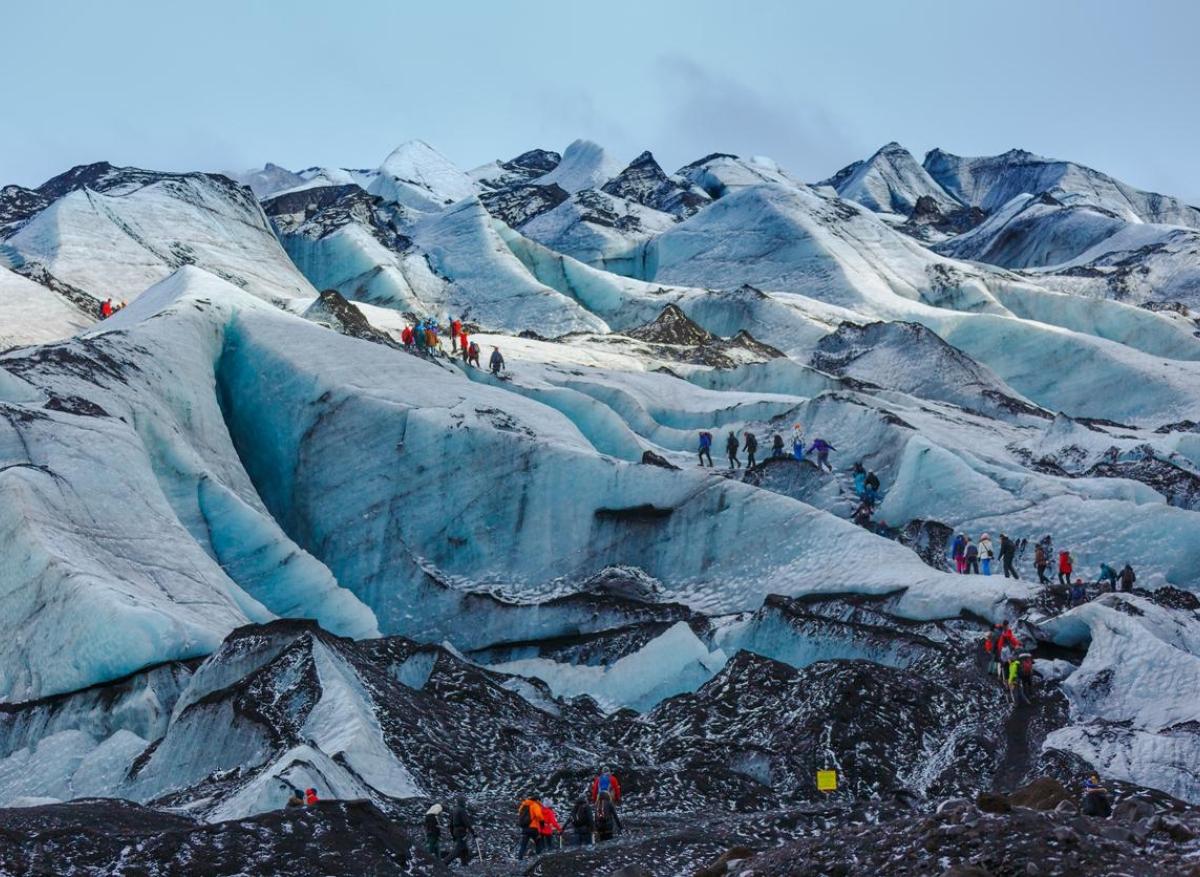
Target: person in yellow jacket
pixel 529 819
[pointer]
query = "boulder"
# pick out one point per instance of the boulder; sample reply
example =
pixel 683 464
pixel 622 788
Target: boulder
pixel 1044 793
pixel 1132 809
pixel 720 866
pixel 993 802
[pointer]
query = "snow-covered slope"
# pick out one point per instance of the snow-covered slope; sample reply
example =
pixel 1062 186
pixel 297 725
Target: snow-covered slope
pixel 991 182
pixel 418 176
pixel 584 165
pixel 890 181
pixel 116 231
pixel 32 314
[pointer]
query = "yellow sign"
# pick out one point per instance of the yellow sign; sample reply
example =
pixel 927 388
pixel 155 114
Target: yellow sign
pixel 827 780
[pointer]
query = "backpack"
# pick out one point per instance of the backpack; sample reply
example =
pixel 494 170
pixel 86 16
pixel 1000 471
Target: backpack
pixel 604 784
pixel 524 817
pixel 751 442
pixel 972 551
pixel 1027 668
pixel 603 811
pixel 706 439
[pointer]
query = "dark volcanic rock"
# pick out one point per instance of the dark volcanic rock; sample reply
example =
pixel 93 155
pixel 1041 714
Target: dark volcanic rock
pixel 516 205
pixel 118 837
pixel 645 182
pixel 333 309
pixel 674 335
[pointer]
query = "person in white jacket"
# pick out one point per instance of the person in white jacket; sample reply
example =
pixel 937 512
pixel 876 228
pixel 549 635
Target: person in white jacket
pixel 986 554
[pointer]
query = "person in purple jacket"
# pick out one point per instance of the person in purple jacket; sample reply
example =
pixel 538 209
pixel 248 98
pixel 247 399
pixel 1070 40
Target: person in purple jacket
pixel 822 448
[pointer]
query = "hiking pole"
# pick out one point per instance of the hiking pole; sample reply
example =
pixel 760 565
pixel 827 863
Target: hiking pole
pixel 478 849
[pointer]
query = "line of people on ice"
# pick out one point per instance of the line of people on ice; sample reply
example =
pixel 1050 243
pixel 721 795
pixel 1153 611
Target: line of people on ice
pixel 748 444
pixel 978 558
pixel 593 819
pixel 108 307
pixel 426 337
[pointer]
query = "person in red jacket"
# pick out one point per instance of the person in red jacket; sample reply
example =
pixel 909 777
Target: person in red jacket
pixel 1066 566
pixel 550 826
pixel 106 309
pixel 310 797
pixel 463 345
pixel 606 781
pixel 406 336
pixel 455 332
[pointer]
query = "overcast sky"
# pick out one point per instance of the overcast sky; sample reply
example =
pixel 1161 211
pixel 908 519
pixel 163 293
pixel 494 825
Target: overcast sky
pixel 231 85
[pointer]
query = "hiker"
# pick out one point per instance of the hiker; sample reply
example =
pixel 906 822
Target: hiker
pixel 986 554
pixel 1020 679
pixel 860 479
pixel 751 448
pixel 296 799
pixel 1127 578
pixel 1001 639
pixel 583 821
pixel 862 514
pixel 419 337
pixel 606 781
pixel 822 448
pixel 1041 562
pixel 1008 551
pixel 529 820
pixel 798 442
pixel 971 557
pixel 460 827
pixel 1078 593
pixel 550 827
pixel 1095 799
pixel 310 797
pixel 706 447
pixel 473 359
pixel 106 309
pixel 1066 565
pixel 1109 575
pixel 463 345
pixel 958 550
pixel 433 831
pixel 607 820
pixel 406 336
pixel 871 483
pixel 496 362
pixel 731 449
pixel 455 334
pixel 777 445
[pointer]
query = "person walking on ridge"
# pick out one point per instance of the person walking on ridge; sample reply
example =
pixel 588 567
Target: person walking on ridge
pixel 731 449
pixel 751 448
pixel 706 440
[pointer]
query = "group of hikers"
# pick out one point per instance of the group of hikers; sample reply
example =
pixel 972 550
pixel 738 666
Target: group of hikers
pixel 1002 658
pixel 108 307
pixel 426 337
pixel 593 819
pixel 749 444
pixel 977 558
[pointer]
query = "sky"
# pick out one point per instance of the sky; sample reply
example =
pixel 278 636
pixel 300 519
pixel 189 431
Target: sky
pixel 815 85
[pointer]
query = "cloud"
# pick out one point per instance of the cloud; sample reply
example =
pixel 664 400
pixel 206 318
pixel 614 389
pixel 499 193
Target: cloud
pixel 707 111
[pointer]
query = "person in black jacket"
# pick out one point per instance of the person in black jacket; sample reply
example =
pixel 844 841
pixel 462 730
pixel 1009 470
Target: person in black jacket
pixel 751 449
pixel 1008 551
pixel 731 448
pixel 433 830
pixel 460 827
pixel 583 821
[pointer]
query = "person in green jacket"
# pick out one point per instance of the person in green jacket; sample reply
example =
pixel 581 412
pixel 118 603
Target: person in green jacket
pixel 1020 679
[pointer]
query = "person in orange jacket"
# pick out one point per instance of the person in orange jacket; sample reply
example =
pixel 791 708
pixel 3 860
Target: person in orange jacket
pixel 550 827
pixel 463 345
pixel 529 819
